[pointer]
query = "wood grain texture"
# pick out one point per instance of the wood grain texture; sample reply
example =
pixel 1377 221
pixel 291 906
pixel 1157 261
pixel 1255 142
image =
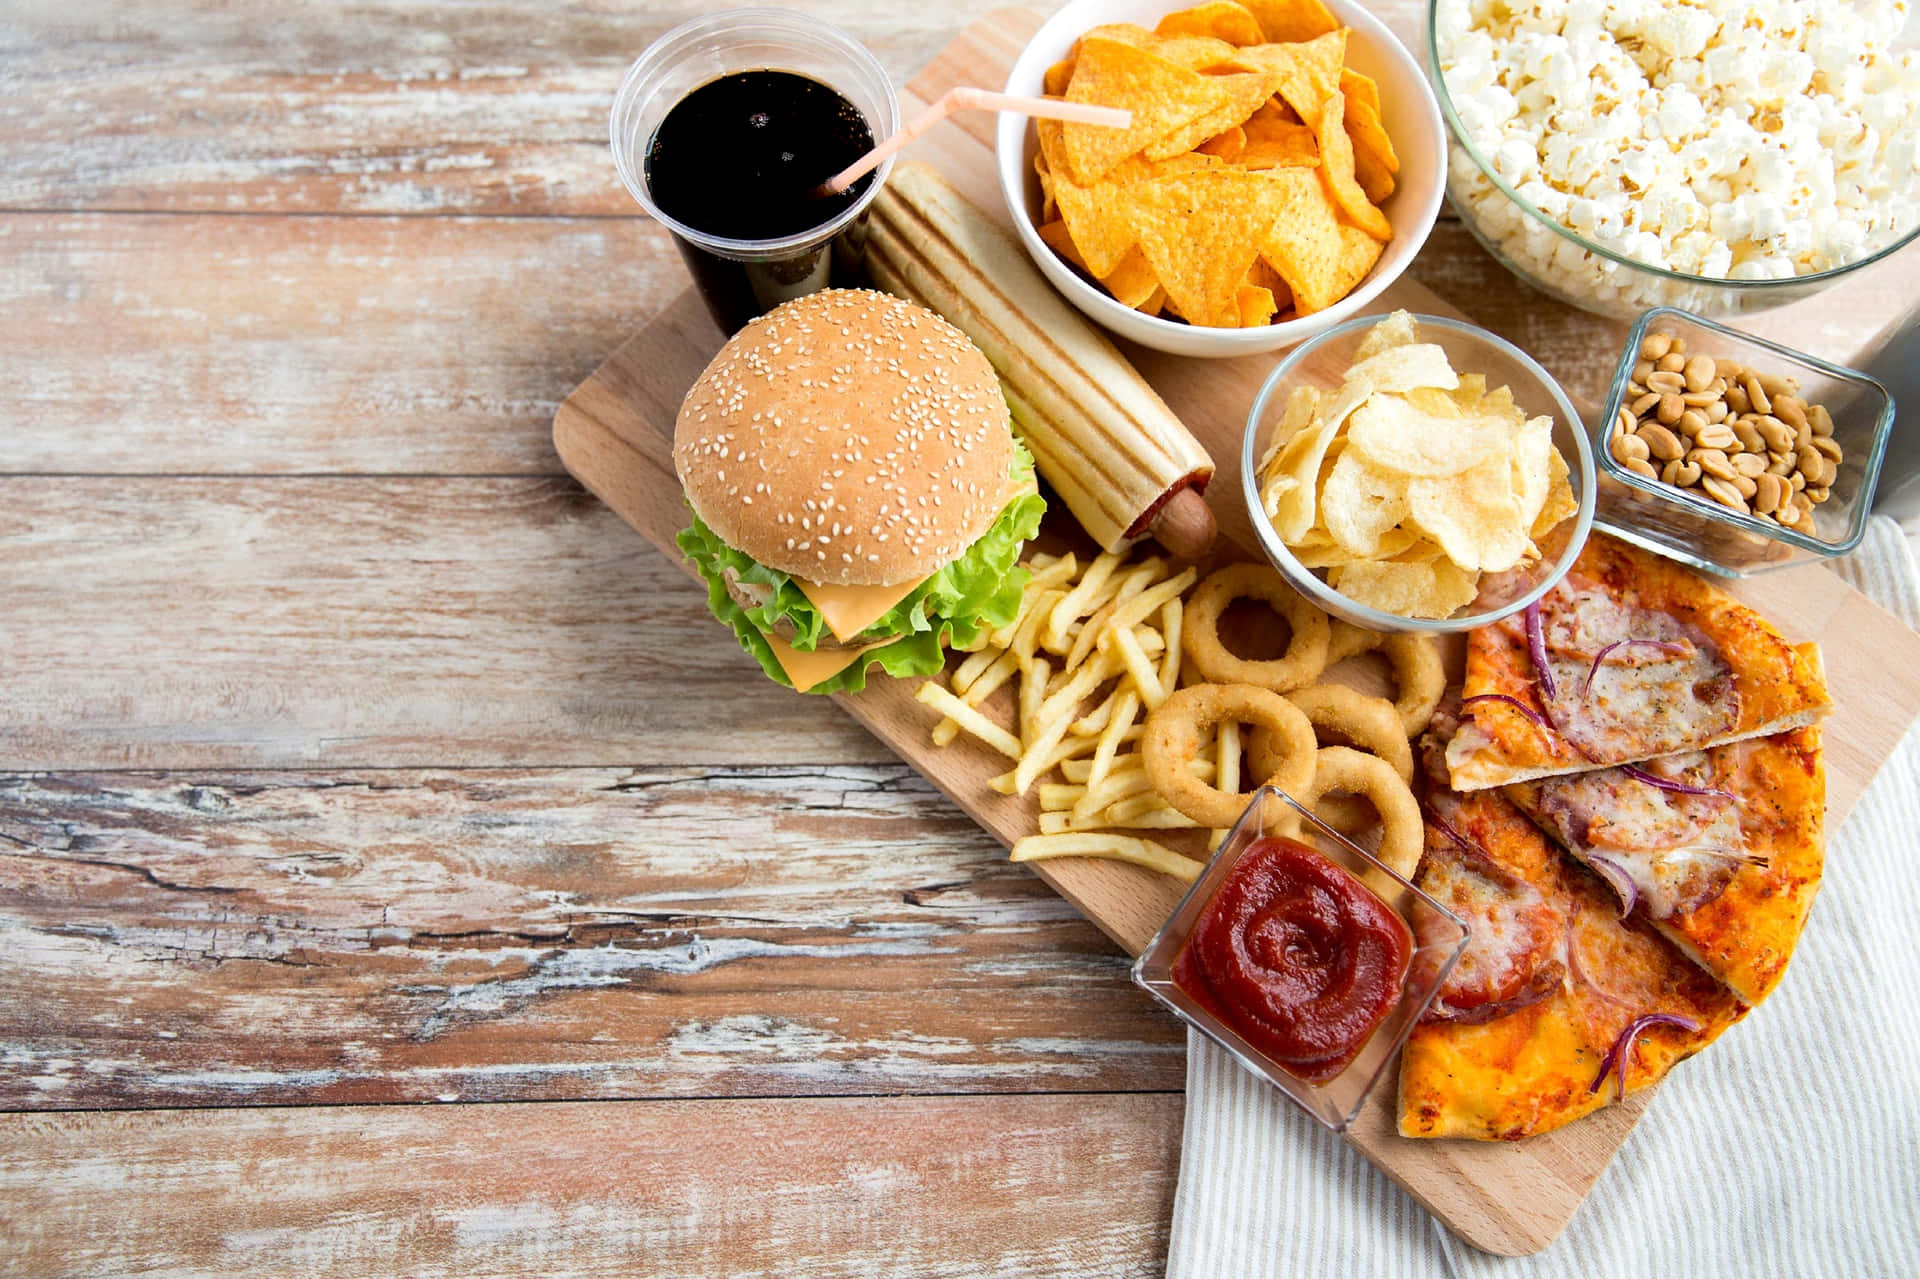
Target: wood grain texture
pixel 393 106
pixel 356 622
pixel 508 935
pixel 302 344
pixel 906 1188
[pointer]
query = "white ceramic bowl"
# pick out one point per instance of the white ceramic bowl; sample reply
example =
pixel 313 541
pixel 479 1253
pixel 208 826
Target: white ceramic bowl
pixel 1409 112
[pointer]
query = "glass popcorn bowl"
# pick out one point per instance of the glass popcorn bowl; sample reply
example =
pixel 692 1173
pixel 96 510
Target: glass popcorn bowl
pixel 1693 528
pixel 1566 265
pixel 1323 362
pixel 1439 939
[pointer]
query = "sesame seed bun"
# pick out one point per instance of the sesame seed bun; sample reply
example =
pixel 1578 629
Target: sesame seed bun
pixel 847 437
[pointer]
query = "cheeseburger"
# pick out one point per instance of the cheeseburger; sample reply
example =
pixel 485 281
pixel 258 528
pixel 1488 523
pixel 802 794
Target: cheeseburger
pixel 858 495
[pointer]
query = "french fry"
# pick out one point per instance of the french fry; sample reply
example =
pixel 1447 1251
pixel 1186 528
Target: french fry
pixel 931 694
pixel 1140 852
pixel 1032 699
pixel 1226 758
pixel 1145 678
pixel 972 669
pixel 1126 708
pixel 1170 615
pixel 1137 609
pixel 1081 600
pixel 1148 810
pixel 1059 795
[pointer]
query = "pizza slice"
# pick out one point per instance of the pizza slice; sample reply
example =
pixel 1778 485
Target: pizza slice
pixel 1559 1006
pixel 1720 850
pixel 1629 657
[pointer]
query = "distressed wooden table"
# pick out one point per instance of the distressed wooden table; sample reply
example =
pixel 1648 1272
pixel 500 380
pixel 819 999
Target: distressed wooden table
pixel 352 757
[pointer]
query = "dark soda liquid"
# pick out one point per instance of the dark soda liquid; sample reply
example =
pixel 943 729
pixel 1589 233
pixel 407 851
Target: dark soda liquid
pixel 738 158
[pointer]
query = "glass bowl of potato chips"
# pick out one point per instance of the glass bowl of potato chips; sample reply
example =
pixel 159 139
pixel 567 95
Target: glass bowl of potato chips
pixel 1417 473
pixel 1285 163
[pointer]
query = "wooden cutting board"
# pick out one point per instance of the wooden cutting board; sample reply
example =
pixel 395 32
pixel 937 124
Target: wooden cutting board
pixel 614 434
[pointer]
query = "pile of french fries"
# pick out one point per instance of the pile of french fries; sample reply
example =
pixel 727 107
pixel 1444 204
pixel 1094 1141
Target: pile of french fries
pixel 1093 648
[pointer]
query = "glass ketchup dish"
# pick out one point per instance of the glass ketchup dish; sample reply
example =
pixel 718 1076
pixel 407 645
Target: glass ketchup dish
pixel 1331 1057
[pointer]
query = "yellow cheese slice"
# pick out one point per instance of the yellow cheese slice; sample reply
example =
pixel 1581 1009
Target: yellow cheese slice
pixel 848 610
pixel 808 669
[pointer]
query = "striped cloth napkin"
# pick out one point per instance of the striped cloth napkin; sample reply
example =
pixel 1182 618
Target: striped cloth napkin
pixel 1791 1148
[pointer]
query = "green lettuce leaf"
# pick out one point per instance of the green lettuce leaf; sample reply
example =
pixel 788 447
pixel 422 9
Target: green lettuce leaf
pixel 977 592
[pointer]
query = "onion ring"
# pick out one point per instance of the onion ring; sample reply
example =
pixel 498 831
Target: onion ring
pixel 1306 654
pixel 1177 727
pixel 1404 831
pixel 1420 677
pixel 1347 640
pixel 1369 723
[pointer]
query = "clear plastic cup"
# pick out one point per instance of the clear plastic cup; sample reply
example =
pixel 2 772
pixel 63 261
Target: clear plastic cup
pixel 740 279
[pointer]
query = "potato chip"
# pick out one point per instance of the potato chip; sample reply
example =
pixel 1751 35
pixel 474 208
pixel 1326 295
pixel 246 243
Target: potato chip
pixel 1336 166
pixel 1530 459
pixel 1221 19
pixel 1360 502
pixel 1396 330
pixel 1409 481
pixel 1474 515
pixel 1391 433
pixel 1433 589
pixel 1162 96
pixel 1201 230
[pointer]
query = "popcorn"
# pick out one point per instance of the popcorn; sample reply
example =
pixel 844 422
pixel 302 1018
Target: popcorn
pixel 1712 138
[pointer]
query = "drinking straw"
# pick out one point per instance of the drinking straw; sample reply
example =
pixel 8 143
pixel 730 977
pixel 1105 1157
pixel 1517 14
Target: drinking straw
pixel 968 99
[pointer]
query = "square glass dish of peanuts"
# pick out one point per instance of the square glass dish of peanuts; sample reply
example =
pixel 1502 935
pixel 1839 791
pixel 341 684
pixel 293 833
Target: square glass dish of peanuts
pixel 1733 453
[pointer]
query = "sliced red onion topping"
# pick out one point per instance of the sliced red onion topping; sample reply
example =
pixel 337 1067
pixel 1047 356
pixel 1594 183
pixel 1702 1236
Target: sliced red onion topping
pixel 1537 649
pixel 1663 783
pixel 1618 1055
pixel 1446 828
pixel 1538 719
pixel 1665 646
pixel 1617 879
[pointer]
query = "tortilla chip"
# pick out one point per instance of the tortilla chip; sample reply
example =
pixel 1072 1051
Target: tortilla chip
pixel 1306 75
pixel 1201 231
pixel 1358 252
pixel 1226 145
pixel 1132 282
pixel 1221 19
pixel 1336 166
pixel 1256 306
pixel 1360 88
pixel 1162 95
pixel 1303 242
pixel 1273 143
pixel 1059 76
pixel 1247 92
pixel 1055 236
pixel 1374 162
pixel 1292 20
pixel 1203 53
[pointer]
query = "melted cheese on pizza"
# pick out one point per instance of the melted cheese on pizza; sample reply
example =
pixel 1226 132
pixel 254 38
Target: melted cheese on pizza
pixel 1707 670
pixel 1535 1068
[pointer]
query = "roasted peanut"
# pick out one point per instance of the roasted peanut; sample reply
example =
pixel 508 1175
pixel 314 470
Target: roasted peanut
pixel 1769 491
pixel 1700 372
pixel 1712 462
pixel 1756 394
pixel 1669 410
pixel 1790 409
pixel 1718 435
pixel 1825 447
pixel 1672 362
pixel 1775 431
pixel 1690 423
pixel 1749 436
pixel 1749 464
pixel 1640 467
pixel 1820 420
pixel 1641 406
pixel 1723 492
pixel 1667 383
pixel 1681 472
pixel 1655 345
pixel 1661 443
pixel 1629 448
pixel 1745 484
pixel 1736 398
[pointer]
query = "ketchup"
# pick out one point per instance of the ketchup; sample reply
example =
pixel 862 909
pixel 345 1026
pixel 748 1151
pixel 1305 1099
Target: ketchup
pixel 1301 959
